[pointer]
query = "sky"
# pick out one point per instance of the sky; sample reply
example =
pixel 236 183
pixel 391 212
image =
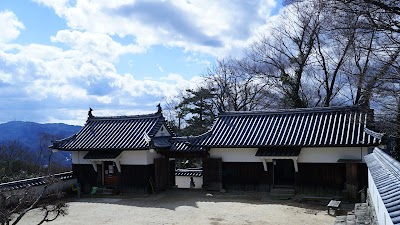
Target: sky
pixel 119 57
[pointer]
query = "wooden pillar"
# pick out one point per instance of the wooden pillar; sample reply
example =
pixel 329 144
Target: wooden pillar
pixel 352 181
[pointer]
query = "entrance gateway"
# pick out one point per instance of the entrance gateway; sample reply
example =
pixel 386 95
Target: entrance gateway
pixel 284 161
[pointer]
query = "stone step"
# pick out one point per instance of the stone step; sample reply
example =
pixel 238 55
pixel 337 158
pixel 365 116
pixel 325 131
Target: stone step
pixel 358 216
pixel 282 191
pixel 280 196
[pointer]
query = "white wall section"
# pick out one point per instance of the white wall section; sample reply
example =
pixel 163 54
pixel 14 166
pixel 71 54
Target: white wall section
pixel 235 154
pixel 142 157
pixel 331 154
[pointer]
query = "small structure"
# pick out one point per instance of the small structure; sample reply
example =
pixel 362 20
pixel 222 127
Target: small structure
pixel 189 178
pixel 116 152
pixel 317 151
pixel 333 205
pixel 384 187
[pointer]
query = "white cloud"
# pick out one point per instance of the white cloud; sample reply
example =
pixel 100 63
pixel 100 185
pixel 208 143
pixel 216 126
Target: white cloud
pixel 95 44
pixel 214 27
pixel 194 59
pixel 55 83
pixel 44 76
pixel 10 26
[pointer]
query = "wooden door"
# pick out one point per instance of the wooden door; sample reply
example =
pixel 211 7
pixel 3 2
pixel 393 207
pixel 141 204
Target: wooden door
pixel 212 173
pixel 284 172
pixel 161 173
pixel 111 175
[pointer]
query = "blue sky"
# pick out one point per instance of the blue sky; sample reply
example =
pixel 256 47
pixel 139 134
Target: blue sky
pixel 120 57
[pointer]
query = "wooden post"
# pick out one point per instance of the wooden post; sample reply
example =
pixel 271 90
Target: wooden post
pixel 352 181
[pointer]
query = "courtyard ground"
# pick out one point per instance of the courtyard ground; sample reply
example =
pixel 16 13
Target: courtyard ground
pixel 188 207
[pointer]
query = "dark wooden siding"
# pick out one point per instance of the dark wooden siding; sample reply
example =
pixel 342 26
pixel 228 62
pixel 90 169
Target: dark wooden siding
pixel 136 178
pixel 172 173
pixel 246 176
pixel 161 173
pixel 133 178
pixel 86 176
pixel 212 174
pixel 321 178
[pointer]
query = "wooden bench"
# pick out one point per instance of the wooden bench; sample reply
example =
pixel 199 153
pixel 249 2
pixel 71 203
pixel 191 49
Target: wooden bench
pixel 333 204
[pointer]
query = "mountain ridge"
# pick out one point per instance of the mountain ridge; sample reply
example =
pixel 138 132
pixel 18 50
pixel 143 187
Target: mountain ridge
pixel 28 132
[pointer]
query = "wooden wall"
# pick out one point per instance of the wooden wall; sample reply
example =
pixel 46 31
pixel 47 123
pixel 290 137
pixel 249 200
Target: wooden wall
pixel 86 176
pixel 246 176
pixel 321 178
pixel 136 178
pixel 133 178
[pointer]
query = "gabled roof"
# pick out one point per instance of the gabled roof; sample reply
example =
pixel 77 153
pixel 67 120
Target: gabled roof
pixel 385 172
pixel 119 133
pixel 186 144
pixel 333 126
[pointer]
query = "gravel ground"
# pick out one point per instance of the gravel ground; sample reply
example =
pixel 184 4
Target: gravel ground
pixel 187 207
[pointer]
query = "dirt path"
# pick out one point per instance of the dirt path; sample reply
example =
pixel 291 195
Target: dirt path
pixel 188 208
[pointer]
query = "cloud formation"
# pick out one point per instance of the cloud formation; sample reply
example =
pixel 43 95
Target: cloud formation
pixel 10 26
pixel 56 82
pixel 212 27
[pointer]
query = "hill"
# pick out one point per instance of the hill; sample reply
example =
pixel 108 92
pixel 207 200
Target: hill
pixel 35 136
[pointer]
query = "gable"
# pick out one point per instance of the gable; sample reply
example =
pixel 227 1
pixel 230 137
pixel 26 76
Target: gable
pixel 163 132
pixel 109 133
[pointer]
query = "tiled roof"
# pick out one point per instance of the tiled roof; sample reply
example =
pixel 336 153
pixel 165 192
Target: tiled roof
pixel 185 144
pixel 161 142
pixel 189 173
pixel 120 132
pixel 385 172
pixel 102 154
pixel 14 185
pixel 279 151
pixel 334 126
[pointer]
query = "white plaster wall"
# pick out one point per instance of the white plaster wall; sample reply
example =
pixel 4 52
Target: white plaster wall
pixel 77 157
pixel 151 155
pixel 380 209
pixel 307 155
pixel 331 154
pixel 184 182
pixel 235 154
pixel 142 157
pixel 134 157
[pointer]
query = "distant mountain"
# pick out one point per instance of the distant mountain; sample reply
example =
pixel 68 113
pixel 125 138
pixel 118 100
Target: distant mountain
pixel 30 133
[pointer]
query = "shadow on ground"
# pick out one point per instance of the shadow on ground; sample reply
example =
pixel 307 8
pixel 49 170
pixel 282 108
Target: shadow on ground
pixel 172 199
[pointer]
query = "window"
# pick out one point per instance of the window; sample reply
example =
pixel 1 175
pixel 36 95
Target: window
pixel 110 169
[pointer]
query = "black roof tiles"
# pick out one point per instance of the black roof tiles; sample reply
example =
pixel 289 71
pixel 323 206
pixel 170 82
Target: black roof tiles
pixel 332 126
pixel 385 172
pixel 279 151
pixel 120 132
pixel 335 126
pixel 102 154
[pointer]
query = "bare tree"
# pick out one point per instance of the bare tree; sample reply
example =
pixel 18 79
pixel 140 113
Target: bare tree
pixel 381 15
pixel 283 56
pixel 15 204
pixel 235 89
pixel 332 51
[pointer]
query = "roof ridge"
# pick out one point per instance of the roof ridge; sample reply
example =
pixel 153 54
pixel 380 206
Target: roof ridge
pixel 290 111
pixel 143 116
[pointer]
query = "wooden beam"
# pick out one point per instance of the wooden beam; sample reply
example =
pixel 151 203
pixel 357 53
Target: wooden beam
pixel 296 167
pixel 265 164
pixel 94 165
